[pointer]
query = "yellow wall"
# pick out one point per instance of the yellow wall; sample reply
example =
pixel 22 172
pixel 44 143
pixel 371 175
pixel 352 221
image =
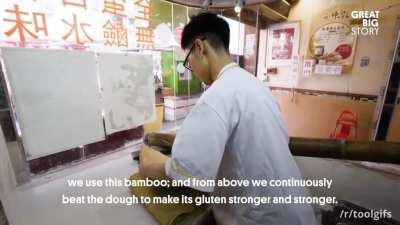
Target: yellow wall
pixel 315 116
pixel 368 80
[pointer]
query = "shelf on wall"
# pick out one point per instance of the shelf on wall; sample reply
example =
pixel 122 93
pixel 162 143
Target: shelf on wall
pixel 361 97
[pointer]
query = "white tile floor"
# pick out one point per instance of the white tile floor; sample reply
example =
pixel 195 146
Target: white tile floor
pixel 364 187
pixel 40 202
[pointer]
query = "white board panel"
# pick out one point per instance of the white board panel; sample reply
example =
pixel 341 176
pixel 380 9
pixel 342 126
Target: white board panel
pixel 56 97
pixel 128 90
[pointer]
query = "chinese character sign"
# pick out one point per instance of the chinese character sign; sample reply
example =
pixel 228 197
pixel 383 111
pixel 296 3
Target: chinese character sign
pixel 98 23
pixel 144 34
pixel 24 24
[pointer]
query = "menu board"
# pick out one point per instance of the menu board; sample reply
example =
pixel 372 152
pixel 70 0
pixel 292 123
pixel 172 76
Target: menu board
pixel 332 41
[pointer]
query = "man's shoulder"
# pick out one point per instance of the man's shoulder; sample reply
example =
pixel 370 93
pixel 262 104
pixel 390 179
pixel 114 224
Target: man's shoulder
pixel 234 85
pixel 230 82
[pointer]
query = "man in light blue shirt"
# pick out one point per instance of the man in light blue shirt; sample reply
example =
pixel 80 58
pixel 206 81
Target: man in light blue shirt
pixel 235 131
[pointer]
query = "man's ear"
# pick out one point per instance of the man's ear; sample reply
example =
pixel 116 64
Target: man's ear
pixel 200 47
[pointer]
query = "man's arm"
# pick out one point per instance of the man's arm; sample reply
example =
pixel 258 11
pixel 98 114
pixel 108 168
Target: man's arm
pixel 152 163
pixel 197 149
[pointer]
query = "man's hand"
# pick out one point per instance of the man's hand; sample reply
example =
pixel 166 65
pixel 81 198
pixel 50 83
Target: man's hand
pixel 152 163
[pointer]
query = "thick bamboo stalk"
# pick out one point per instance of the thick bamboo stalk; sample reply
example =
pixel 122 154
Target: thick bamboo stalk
pixel 372 151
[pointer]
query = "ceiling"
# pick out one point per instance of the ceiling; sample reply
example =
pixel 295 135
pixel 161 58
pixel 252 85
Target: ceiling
pixel 217 3
pixel 275 10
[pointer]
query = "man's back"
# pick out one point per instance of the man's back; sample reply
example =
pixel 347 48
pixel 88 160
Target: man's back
pixel 257 149
pixel 247 139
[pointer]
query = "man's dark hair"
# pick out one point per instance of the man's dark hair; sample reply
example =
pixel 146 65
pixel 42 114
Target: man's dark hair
pixel 208 25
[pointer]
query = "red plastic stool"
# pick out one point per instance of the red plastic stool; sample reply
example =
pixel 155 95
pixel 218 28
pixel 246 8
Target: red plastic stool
pixel 346 121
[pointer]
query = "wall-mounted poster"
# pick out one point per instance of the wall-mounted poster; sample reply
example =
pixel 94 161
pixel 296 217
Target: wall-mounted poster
pixel 332 42
pixel 282 43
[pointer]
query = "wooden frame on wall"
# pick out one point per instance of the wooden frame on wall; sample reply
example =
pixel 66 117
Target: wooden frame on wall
pixel 283 42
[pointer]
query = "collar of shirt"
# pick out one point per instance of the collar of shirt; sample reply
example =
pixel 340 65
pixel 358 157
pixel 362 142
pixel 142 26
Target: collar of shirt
pixel 225 68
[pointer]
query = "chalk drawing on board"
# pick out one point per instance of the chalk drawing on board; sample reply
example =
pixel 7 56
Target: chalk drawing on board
pixel 128 90
pixel 56 97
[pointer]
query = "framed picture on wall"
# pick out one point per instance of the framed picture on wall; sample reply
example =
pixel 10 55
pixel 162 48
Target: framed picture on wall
pixel 282 43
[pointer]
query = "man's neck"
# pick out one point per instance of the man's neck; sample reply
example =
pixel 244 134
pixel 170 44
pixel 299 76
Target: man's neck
pixel 220 62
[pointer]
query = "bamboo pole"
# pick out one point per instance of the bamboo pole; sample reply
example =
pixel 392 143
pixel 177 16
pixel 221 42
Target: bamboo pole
pixel 372 151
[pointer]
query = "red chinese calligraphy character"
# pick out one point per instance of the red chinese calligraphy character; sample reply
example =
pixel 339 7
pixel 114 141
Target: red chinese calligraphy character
pixel 74 29
pixel 112 7
pixel 144 12
pixel 335 15
pixel 20 24
pixel 144 37
pixel 77 3
pixel 115 34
